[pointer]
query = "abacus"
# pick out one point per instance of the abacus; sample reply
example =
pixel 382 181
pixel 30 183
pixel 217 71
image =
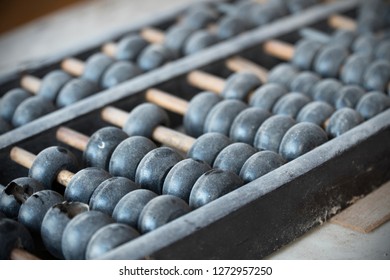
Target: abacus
pixel 202 134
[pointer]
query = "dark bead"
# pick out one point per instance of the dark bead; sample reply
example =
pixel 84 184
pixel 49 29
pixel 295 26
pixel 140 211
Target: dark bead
pixel 372 103
pixel 199 18
pixel 176 38
pixel 343 38
pixel 296 6
pixel 329 60
pixel 31 109
pixel 327 90
pixel 304 82
pixel 199 40
pixel 154 56
pixel 383 50
pixel 282 74
pixel 266 96
pixel 354 67
pixel 95 66
pixel 240 85
pixel 129 47
pixel 305 53
pixel 365 44
pixel 119 72
pixel 377 75
pixel 10 101
pixel 290 104
pixel 230 26
pixel 75 90
pixel 342 121
pixel 349 96
pixel 52 84
pixel 316 112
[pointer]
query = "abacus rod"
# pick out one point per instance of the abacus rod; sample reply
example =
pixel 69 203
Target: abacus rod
pixel 206 81
pixel 153 35
pixel 167 101
pixel 109 49
pixel 30 83
pixel 114 116
pixel 19 254
pixel 72 138
pixel 342 22
pixel 73 66
pixel 279 49
pixel 237 63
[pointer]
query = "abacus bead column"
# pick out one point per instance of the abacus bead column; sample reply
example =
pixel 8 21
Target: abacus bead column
pixel 154 56
pixel 52 83
pixel 74 91
pixel 144 118
pixel 119 72
pixel 49 162
pixel 16 193
pixel 79 231
pixel 266 96
pixel 212 185
pixel 342 121
pixel 109 192
pixel 377 75
pixel 95 66
pixel 316 112
pixel 13 235
pixel 153 168
pixel 101 145
pixel 239 85
pixel 129 47
pixel 182 177
pixel 372 103
pixel 108 238
pixel 83 184
pixel 31 109
pixel 300 139
pixel 160 211
pixel 129 208
pixel 54 223
pixel 10 101
pixel 329 60
pixel 33 210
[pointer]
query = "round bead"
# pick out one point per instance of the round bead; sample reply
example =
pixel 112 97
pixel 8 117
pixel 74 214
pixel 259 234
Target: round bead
pixel 266 96
pixel 95 66
pixel 263 14
pixel 109 192
pixel 305 53
pixel 127 155
pixel 182 177
pixel 349 96
pixel 198 41
pixel 75 90
pixel 49 162
pixel 260 164
pixel 176 38
pixel 107 238
pixel 365 44
pixel 212 185
pixel 79 231
pixel 222 115
pixel 343 38
pixel 119 72
pixel 246 124
pixel 372 103
pixel 101 145
pixel 199 18
pixel 83 184
pixel 383 50
pixel 316 112
pixel 52 84
pixel 144 118
pixel 282 74
pixel 129 208
pixel 342 121
pixel 270 133
pixel 198 109
pixel 300 139
pixel 154 167
pixel 329 60
pixel 290 104
pixel 31 109
pixel 327 90
pixel 377 75
pixel 304 82
pixel 129 47
pixel 207 147
pixel 240 85
pixel 354 67
pixel 54 223
pixel 33 210
pixel 10 101
pixel 230 26
pixel 154 56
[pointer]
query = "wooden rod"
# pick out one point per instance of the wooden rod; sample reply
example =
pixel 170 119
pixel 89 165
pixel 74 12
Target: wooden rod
pixel 64 177
pixel 168 101
pixel 72 138
pixel 110 49
pixel 238 63
pixel 30 83
pixel 73 66
pixel 19 254
pixel 173 138
pixel 342 22
pixel 153 35
pixel 279 49
pixel 206 81
pixel 114 116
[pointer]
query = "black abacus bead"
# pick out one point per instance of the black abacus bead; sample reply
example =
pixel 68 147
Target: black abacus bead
pixel 233 157
pixel 52 84
pixel 304 83
pixel 343 38
pixel 199 18
pixel 129 208
pixel 182 177
pixel 246 124
pixel 160 211
pixel 266 96
pixel 365 44
pixel 13 235
pixel 212 185
pixel 198 41
pixel 329 60
pixel 198 109
pixel 207 147
pixel 33 210
pixel 109 237
pixel 354 68
pixel 305 53
pixel 129 47
pixel 349 96
pixel 230 26
pixel 82 185
pixel 49 162
pixel 327 90
pixel 377 75
pixel 222 115
pixel 316 112
pixel 263 14
pixel 79 231
pixel 154 56
pixel 144 118
pixel 372 103
pixel 154 167
pixel 127 155
pixel 383 50
pixel 176 38
pixel 31 109
pixel 54 223
pixel 270 133
pixel 95 66
pixel 101 145
pixel 4 126
pixel 240 85
pixel 342 121
pixel 75 90
pixel 300 139
pixel 296 6
pixel 109 192
pixel 282 74
pixel 16 193
pixel 10 101
pixel 119 72
pixel 290 104
pixel 260 164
